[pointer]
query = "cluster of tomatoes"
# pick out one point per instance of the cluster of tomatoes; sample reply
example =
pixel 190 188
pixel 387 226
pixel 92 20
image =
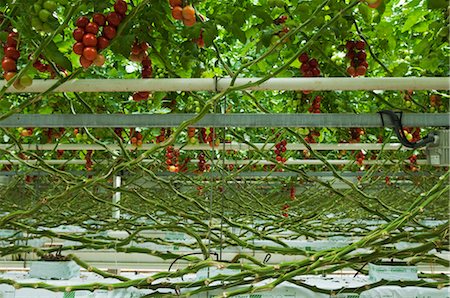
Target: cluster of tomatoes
pixel 355 134
pixel 413 163
pixel 202 136
pixel 309 66
pixel 360 156
pixel 118 131
pixel 40 66
pixel 315 106
pixel 191 135
pixel 310 138
pixel 43 18
pixel 412 134
pixel 212 138
pixel 202 166
pixel 292 193
pixel 357 55
pixel 185 14
pixel 172 156
pixel 284 210
pixel 163 133
pixel 136 138
pixel 79 135
pixel 88 159
pixel 9 61
pixel 51 133
pixel 280 148
pixel 280 20
pixel 26 132
pixel 436 103
pixel 139 54
pixel 86 34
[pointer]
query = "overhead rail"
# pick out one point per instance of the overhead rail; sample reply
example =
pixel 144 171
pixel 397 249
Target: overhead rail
pixel 196 147
pixel 221 84
pixel 223 120
pixel 216 162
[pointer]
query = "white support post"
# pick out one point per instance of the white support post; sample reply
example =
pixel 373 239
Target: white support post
pixel 117 181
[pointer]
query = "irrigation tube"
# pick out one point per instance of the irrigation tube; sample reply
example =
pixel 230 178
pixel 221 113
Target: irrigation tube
pixel 212 84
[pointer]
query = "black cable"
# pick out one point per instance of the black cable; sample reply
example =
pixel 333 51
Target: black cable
pixel 398 129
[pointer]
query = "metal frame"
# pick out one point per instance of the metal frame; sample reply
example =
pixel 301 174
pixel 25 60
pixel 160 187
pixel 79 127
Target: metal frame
pixel 223 120
pixel 221 84
pixel 198 147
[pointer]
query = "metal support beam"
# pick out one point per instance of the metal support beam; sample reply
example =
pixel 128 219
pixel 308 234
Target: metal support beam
pixel 223 120
pixel 213 85
pixel 217 162
pixel 116 197
pixel 221 147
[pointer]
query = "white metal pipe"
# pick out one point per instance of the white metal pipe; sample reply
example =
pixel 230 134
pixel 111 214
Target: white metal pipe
pixel 219 162
pixel 211 84
pixel 117 181
pixel 196 147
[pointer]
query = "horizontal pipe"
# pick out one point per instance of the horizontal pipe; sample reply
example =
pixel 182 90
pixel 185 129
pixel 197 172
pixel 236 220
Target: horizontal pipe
pixel 198 147
pixel 211 84
pixel 217 162
pixel 223 120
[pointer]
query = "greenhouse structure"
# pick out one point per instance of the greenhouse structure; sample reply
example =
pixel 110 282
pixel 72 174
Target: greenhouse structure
pixel 235 148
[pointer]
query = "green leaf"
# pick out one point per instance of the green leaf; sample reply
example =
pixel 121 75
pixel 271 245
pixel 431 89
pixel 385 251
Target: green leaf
pixel 414 18
pixel 400 70
pixel 237 31
pixel 3 35
pixel 437 4
pixel 52 53
pixel 159 95
pixel 261 13
pixel 366 13
pixel 210 33
pixel 123 46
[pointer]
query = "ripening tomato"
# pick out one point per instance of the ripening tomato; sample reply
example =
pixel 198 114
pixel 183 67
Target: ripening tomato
pixel 90 53
pixel 8 64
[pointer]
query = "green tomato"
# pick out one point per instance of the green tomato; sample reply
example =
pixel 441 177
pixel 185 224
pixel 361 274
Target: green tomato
pixel 441 108
pixel 408 103
pixel 26 81
pixel 63 2
pixel 50 5
pixel 85 136
pixel 79 136
pixel 197 110
pixel 432 109
pixel 44 14
pixel 274 39
pixel 192 141
pixel 196 103
pixel 37 8
pixel 46 27
pixel 36 23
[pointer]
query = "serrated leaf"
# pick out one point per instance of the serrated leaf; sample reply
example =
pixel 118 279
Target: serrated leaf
pixel 366 13
pixel 123 46
pixel 400 70
pixel 159 95
pixel 52 52
pixel 237 31
pixel 261 13
pixel 210 33
pixel 414 18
